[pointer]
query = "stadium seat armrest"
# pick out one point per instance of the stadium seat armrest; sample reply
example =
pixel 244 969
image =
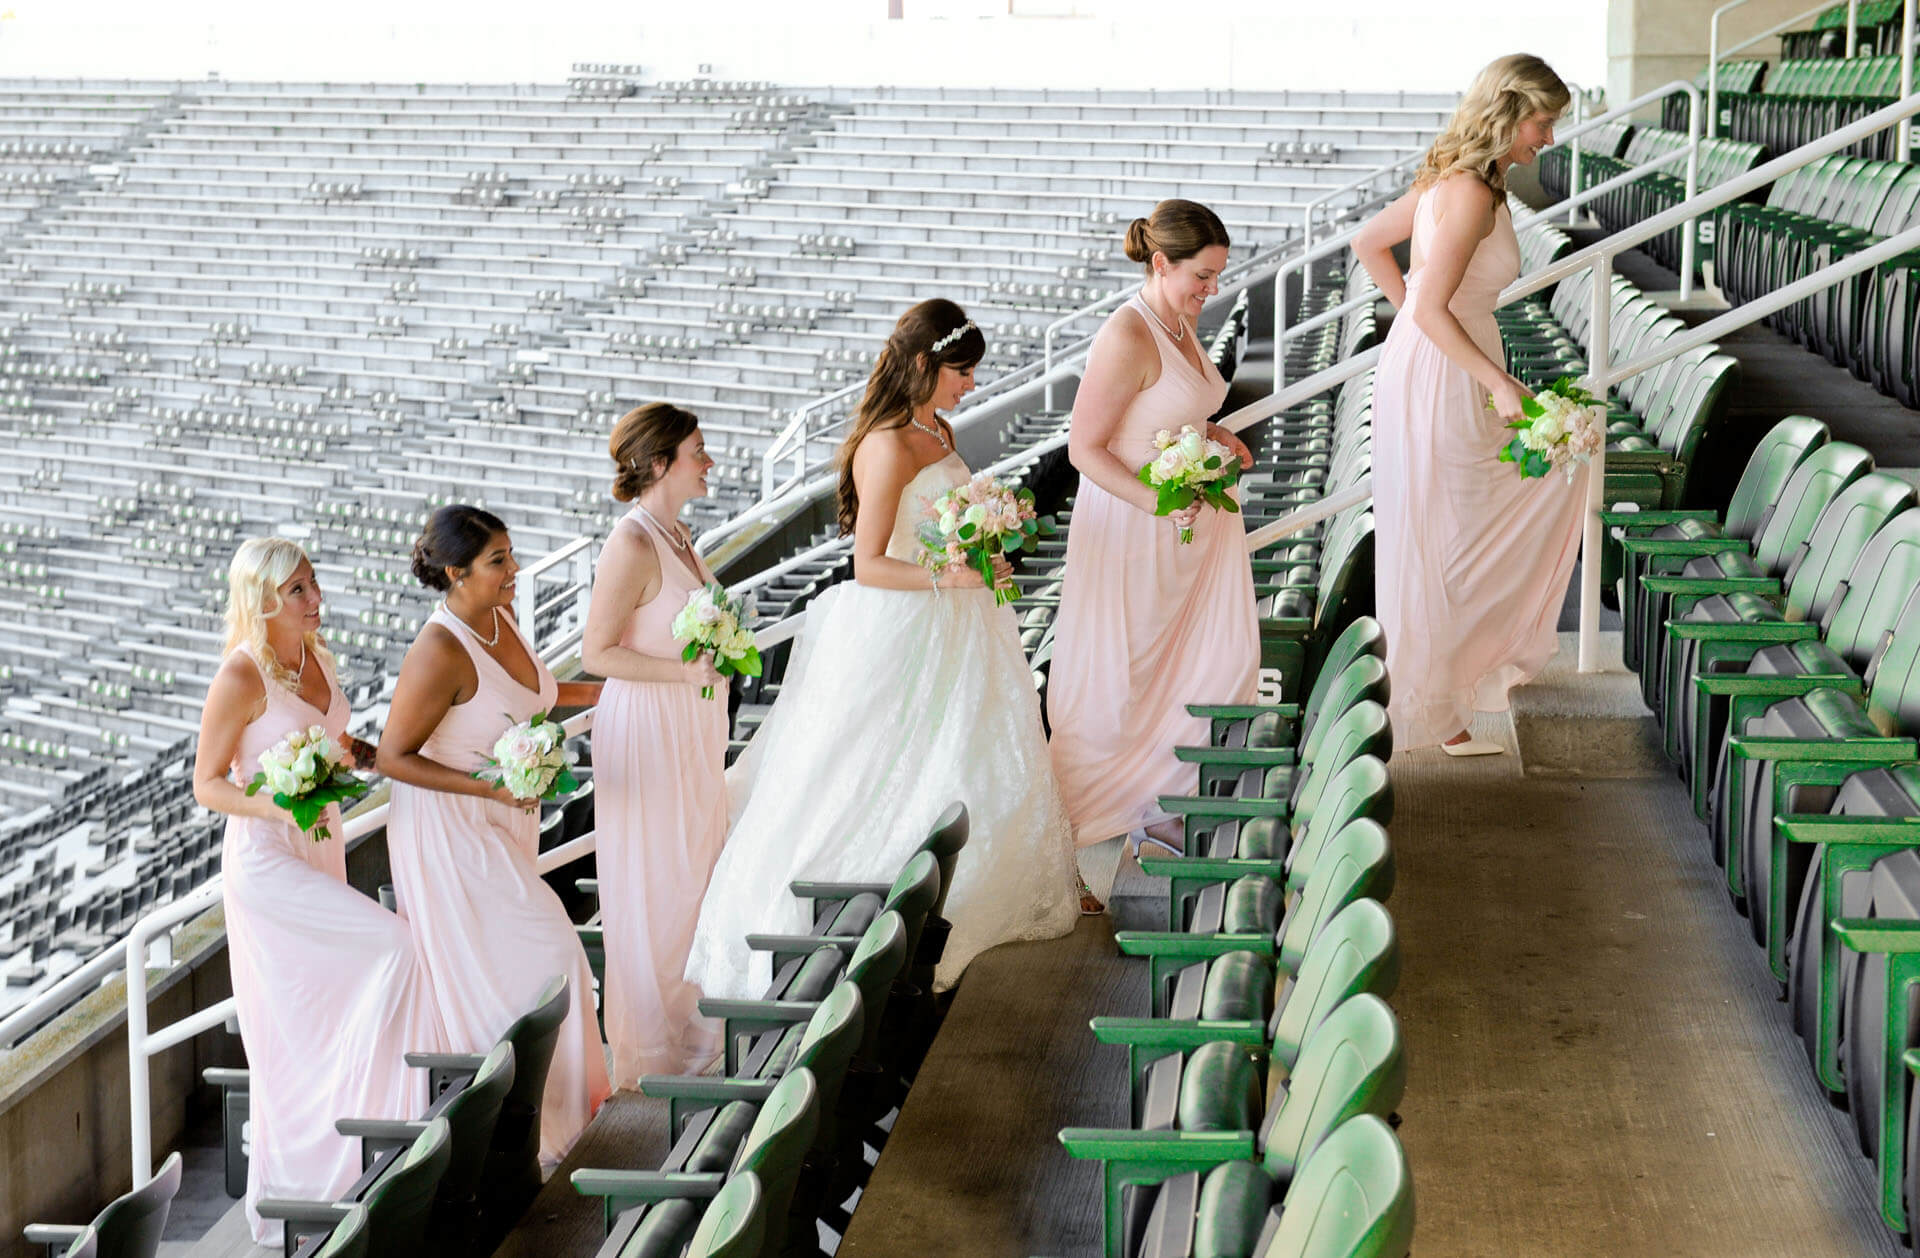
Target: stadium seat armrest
pixel 52 1233
pixel 1200 869
pixel 1825 750
pixel 1246 757
pixel 1878 934
pixel 759 1010
pixel 295 1211
pixel 1747 631
pixel 1222 806
pixel 1177 1032
pixel 1820 827
pixel 801 943
pixel 1682 547
pixel 1190 1150
pixel 1243 711
pixel 1704 587
pixel 446 1061
pixel 379 1128
pixel 639 1186
pixel 715 1088
pixel 1173 943
pixel 1656 519
pixel 836 890
pixel 1739 685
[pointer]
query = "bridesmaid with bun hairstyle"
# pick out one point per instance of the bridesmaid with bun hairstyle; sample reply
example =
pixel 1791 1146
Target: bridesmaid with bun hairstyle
pixel 1146 625
pixel 464 850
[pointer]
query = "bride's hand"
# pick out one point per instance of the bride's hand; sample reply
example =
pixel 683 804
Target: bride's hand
pixel 1507 396
pixel 699 671
pixel 962 577
pixel 1185 516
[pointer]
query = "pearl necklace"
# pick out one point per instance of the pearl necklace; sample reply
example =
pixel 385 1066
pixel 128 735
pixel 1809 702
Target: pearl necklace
pixel 1173 336
pixel 932 431
pixel 489 643
pixel 671 530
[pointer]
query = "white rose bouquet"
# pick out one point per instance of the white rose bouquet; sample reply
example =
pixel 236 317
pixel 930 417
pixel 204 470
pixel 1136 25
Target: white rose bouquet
pixel 532 761
pixel 969 524
pixel 715 621
pixel 1188 469
pixel 307 771
pixel 1562 426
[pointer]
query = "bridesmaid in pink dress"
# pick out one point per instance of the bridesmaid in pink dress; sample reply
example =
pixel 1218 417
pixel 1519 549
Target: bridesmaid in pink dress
pixel 1472 562
pixel 659 751
pixel 491 932
pixel 329 991
pixel 1146 624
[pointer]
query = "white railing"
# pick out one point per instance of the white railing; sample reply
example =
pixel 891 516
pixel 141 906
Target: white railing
pixel 572 563
pixel 1284 330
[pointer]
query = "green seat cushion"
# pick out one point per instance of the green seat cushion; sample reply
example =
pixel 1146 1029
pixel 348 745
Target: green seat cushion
pixel 721 1140
pixel 1263 839
pixel 1220 1089
pixel 1254 904
pixel 665 1231
pixel 1239 988
pixel 817 974
pixel 1234 1200
pixel 1268 730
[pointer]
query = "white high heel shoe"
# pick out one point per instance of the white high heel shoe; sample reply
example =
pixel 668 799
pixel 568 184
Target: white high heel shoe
pixel 1473 747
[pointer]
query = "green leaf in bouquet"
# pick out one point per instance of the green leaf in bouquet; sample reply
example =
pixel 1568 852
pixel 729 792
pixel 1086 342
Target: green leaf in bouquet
pixel 306 811
pixel 563 784
pixel 1145 475
pixel 254 787
pixel 1536 464
pixel 1531 408
pixel 1174 498
pixel 1030 527
pixel 966 531
pixel 749 664
pixel 1024 495
pixel 1047 526
pixel 1213 461
pixel 690 650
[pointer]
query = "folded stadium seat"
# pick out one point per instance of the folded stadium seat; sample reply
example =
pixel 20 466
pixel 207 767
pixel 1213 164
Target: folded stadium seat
pixel 1287 724
pixel 349 1238
pixel 1738 75
pixel 1228 838
pixel 399 1207
pixel 1659 540
pixel 657 1212
pixel 131 1224
pixel 1789 758
pixel 1300 622
pixel 1722 630
pixel 1272 739
pixel 1666 599
pixel 1259 920
pixel 1274 802
pixel 1555 165
pixel 1885 355
pixel 733 1225
pixel 824 1042
pixel 1243 999
pixel 1881 597
pixel 1803 100
pixel 1211 1108
pixel 456 1225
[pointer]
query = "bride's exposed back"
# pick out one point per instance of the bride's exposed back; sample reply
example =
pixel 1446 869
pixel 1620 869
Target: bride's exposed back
pixel 907 690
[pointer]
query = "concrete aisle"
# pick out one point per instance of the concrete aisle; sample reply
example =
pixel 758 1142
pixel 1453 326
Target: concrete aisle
pixel 1598 1062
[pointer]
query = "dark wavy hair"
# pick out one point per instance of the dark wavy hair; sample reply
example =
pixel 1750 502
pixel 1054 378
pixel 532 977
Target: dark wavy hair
pixel 904 376
pixel 454 537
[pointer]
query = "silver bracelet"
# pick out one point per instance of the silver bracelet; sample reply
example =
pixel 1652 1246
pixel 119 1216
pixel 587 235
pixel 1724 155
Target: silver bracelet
pixel 933 579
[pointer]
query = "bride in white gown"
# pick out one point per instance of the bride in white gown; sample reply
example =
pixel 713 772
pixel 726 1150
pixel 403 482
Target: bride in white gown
pixel 906 691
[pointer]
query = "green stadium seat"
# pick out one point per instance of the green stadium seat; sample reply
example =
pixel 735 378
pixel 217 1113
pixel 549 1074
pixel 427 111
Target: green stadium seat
pixel 129 1227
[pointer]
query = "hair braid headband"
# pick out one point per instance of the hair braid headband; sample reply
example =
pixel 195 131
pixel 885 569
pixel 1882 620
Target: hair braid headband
pixel 953 336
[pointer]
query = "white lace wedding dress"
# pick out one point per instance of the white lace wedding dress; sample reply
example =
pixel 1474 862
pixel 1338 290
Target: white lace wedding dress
pixel 895 703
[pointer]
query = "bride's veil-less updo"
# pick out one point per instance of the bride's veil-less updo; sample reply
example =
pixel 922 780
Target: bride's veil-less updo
pixel 903 377
pixel 254 577
pixel 1487 120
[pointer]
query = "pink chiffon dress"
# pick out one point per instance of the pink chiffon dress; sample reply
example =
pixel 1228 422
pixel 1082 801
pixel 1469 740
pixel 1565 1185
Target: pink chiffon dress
pixel 1472 562
pixel 1146 624
pixel 491 932
pixel 329 991
pixel 660 814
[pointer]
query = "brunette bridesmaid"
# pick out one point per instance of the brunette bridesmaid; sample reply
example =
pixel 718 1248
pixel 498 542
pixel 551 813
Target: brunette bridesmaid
pixel 329 992
pixel 464 851
pixel 659 750
pixel 1146 625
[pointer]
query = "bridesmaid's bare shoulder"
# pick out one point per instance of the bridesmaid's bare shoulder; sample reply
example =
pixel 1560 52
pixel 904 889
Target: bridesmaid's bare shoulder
pixel 1464 197
pixel 238 687
pixel 438 653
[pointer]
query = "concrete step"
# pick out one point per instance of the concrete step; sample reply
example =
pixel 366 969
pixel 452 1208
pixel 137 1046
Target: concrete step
pixel 1586 725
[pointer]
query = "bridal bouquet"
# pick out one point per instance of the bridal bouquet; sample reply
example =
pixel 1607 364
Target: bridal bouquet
pixel 306 771
pixel 1189 469
pixel 532 761
pixel 971 523
pixel 1562 426
pixel 715 621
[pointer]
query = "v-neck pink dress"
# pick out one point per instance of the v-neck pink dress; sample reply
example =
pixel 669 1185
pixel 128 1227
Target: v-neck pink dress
pixel 660 817
pixel 1146 625
pixel 1471 562
pixel 329 992
pixel 490 930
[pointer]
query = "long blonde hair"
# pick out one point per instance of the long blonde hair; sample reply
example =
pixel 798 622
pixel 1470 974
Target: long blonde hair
pixel 1487 120
pixel 254 578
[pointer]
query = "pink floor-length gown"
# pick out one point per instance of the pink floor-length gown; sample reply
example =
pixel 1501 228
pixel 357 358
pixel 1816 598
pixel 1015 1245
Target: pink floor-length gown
pixel 1472 562
pixel 1146 625
pixel 660 814
pixel 328 987
pixel 490 931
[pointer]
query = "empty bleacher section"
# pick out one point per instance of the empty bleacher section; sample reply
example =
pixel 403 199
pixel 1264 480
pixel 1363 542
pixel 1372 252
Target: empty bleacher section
pixel 236 308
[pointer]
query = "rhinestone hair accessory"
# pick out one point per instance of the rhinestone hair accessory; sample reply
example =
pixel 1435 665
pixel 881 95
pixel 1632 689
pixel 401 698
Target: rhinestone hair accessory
pixel 954 335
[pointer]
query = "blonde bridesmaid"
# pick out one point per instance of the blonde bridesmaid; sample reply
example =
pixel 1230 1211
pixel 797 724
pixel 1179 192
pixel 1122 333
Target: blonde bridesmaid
pixel 1146 624
pixel 464 851
pixel 329 992
pixel 659 750
pixel 1472 561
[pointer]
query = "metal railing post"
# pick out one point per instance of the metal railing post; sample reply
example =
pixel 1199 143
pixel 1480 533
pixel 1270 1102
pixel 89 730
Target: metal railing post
pixel 1853 27
pixel 1573 168
pixel 1599 359
pixel 1713 65
pixel 1903 136
pixel 1691 229
pixel 139 1075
